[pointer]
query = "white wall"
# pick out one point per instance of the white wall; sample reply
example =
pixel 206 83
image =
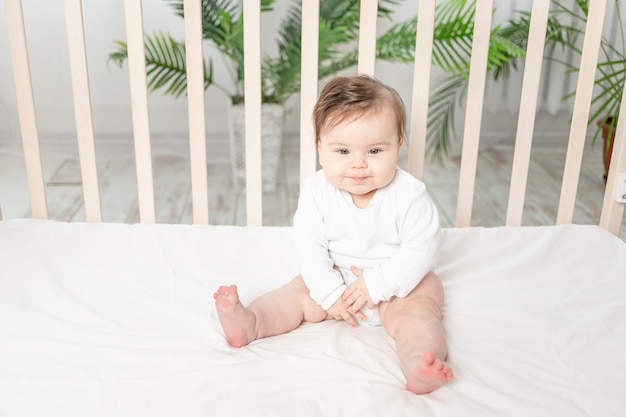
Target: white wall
pixel 104 22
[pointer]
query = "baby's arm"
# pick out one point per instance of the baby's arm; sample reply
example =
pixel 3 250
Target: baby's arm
pixel 418 232
pixel 324 282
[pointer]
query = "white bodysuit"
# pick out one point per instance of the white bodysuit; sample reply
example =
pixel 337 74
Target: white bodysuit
pixel 394 239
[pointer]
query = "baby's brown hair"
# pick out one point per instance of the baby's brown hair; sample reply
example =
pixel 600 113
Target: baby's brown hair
pixel 347 98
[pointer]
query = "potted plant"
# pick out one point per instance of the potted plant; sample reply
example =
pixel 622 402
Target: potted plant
pixel 222 23
pixel 566 29
pixel 611 70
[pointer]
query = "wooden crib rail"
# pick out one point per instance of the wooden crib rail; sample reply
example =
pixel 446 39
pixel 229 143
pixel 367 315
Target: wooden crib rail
pixel 528 107
pixel 195 96
pixel 26 107
pixel 612 212
pixel 139 107
pixel 473 114
pixel 308 83
pixel 83 113
pixel 582 106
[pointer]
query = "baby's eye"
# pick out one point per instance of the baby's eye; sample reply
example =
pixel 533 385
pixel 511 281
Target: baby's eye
pixel 374 150
pixel 343 151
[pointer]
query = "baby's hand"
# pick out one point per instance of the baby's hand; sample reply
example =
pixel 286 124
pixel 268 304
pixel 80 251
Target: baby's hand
pixel 356 295
pixel 339 312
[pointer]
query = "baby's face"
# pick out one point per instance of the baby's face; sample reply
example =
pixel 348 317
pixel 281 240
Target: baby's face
pixel 360 155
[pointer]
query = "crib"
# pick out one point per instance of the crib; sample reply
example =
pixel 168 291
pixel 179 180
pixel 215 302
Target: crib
pixel 108 319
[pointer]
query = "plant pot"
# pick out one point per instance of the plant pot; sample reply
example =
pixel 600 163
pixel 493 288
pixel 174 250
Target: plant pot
pixel 272 126
pixel 608 138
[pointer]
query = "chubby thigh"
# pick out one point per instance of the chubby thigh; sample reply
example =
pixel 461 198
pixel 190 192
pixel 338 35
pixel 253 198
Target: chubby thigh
pixel 425 301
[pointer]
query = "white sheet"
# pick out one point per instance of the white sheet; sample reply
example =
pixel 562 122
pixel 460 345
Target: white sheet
pixel 118 320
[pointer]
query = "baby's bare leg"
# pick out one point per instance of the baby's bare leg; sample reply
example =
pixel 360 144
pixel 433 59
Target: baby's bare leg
pixel 276 312
pixel 415 323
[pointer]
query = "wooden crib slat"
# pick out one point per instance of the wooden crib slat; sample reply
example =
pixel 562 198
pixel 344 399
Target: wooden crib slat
pixel 308 81
pixel 252 86
pixel 473 114
pixel 367 37
pixel 418 120
pixel 580 112
pixel 82 109
pixel 195 99
pixel 612 211
pixel 139 105
pixel 528 108
pixel 26 107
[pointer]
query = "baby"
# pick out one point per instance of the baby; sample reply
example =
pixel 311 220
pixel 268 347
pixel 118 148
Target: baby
pixel 367 235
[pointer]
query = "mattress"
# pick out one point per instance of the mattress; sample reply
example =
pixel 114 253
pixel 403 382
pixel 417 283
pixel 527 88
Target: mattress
pixel 118 320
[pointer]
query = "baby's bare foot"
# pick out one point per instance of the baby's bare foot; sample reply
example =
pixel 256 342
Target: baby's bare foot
pixel 431 373
pixel 237 321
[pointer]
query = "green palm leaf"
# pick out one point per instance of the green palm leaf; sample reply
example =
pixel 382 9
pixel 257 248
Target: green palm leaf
pixel 566 29
pixel 338 31
pixel 452 47
pixel 165 63
pixel 444 100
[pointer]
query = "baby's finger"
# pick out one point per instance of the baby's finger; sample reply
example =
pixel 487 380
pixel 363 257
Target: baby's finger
pixel 355 270
pixel 350 299
pixel 349 291
pixel 356 305
pixel 350 320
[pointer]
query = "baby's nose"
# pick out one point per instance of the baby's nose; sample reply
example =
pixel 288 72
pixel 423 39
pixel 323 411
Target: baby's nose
pixel 359 162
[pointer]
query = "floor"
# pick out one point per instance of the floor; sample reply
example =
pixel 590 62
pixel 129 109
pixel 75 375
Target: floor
pixel 226 206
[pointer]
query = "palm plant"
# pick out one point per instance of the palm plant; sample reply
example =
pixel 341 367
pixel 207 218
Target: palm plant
pixel 566 29
pixel 454 27
pixel 611 69
pixel 612 61
pixel 222 23
pixel 339 26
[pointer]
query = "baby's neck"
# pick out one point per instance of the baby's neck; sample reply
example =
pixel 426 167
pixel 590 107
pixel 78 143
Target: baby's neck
pixel 362 201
